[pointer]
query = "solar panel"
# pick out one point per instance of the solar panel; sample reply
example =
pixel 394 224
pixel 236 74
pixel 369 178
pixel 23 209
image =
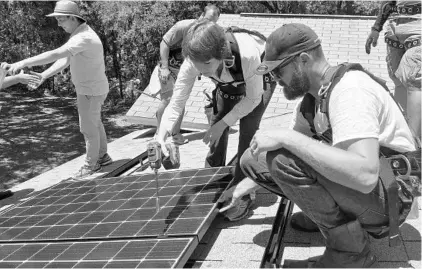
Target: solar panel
pixel 119 208
pixel 139 253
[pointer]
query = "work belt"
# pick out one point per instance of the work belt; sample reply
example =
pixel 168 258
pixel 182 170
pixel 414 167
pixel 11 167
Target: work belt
pixel 407 10
pixel 407 45
pixel 396 174
pixel 231 97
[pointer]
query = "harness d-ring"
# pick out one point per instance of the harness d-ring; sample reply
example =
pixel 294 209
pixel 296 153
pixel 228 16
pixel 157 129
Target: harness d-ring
pixel 395 166
pixel 323 90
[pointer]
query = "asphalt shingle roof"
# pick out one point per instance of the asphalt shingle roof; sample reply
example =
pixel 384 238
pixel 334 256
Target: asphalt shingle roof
pixel 343 40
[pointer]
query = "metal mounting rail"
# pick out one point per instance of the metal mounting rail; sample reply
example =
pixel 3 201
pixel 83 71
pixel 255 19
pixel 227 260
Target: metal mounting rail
pixel 273 253
pixel 141 158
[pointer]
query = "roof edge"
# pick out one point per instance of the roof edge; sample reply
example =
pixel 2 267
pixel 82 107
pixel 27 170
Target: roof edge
pixel 277 15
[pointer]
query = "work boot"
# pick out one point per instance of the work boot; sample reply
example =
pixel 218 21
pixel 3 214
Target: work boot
pixel 347 246
pixel 303 223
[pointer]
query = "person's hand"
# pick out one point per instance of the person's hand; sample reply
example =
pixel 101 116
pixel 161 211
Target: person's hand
pixel 13 68
pixel 235 193
pixel 162 140
pixel 29 79
pixel 231 194
pixel 4 65
pixel 164 74
pixel 371 40
pixel 40 77
pixel 214 132
pixel 264 141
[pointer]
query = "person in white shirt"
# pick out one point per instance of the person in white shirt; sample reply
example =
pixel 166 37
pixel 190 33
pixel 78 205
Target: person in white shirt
pixel 83 52
pixel 239 95
pixel 337 184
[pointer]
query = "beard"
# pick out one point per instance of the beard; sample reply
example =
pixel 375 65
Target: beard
pixel 299 85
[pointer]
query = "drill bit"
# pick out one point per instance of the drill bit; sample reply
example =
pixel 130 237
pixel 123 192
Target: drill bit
pixel 154 157
pixel 157 195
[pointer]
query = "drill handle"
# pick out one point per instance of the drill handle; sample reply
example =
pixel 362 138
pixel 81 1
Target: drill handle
pixel 154 154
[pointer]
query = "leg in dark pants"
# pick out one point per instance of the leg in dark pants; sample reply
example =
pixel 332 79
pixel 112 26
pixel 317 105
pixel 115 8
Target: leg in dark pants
pixel 248 127
pixel 342 214
pixel 218 150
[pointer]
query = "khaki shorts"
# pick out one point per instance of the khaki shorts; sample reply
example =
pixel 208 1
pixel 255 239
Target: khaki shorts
pixel 404 65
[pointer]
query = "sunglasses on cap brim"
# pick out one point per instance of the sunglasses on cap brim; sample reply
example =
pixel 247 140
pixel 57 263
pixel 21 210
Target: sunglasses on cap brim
pixel 281 64
pixel 268 66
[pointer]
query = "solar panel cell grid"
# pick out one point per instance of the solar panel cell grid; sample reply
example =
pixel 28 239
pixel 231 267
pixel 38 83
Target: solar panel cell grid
pixel 107 210
pixel 98 254
pixel 38 233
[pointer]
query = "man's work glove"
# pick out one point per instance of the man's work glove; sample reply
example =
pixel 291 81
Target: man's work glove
pixel 163 74
pixel 371 40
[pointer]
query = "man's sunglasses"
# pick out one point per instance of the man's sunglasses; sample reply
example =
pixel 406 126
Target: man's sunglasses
pixel 274 73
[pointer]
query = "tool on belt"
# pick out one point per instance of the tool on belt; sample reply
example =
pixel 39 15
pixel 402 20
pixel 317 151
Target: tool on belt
pixel 154 158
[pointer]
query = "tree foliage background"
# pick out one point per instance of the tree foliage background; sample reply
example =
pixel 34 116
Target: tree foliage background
pixel 131 31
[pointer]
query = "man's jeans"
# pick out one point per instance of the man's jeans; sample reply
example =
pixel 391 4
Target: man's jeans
pixel 327 203
pixel 247 129
pixel 91 126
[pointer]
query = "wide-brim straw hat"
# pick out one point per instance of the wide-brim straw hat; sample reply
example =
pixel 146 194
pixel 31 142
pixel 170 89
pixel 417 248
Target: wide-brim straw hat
pixel 66 8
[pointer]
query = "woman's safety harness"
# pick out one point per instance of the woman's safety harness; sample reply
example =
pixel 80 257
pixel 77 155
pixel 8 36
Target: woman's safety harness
pixel 236 89
pixel 400 173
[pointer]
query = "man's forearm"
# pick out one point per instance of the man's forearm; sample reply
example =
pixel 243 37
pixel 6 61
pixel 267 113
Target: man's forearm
pixel 383 14
pixel 164 54
pixel 343 167
pixel 58 66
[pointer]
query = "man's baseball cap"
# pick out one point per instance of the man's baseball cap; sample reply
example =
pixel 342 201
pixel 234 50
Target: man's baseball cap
pixel 287 41
pixel 66 8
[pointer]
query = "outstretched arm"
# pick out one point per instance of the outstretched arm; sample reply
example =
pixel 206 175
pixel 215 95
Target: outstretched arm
pixel 41 59
pixel 55 68
pixel 20 78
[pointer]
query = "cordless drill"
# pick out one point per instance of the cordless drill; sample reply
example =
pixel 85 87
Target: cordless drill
pixel 154 158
